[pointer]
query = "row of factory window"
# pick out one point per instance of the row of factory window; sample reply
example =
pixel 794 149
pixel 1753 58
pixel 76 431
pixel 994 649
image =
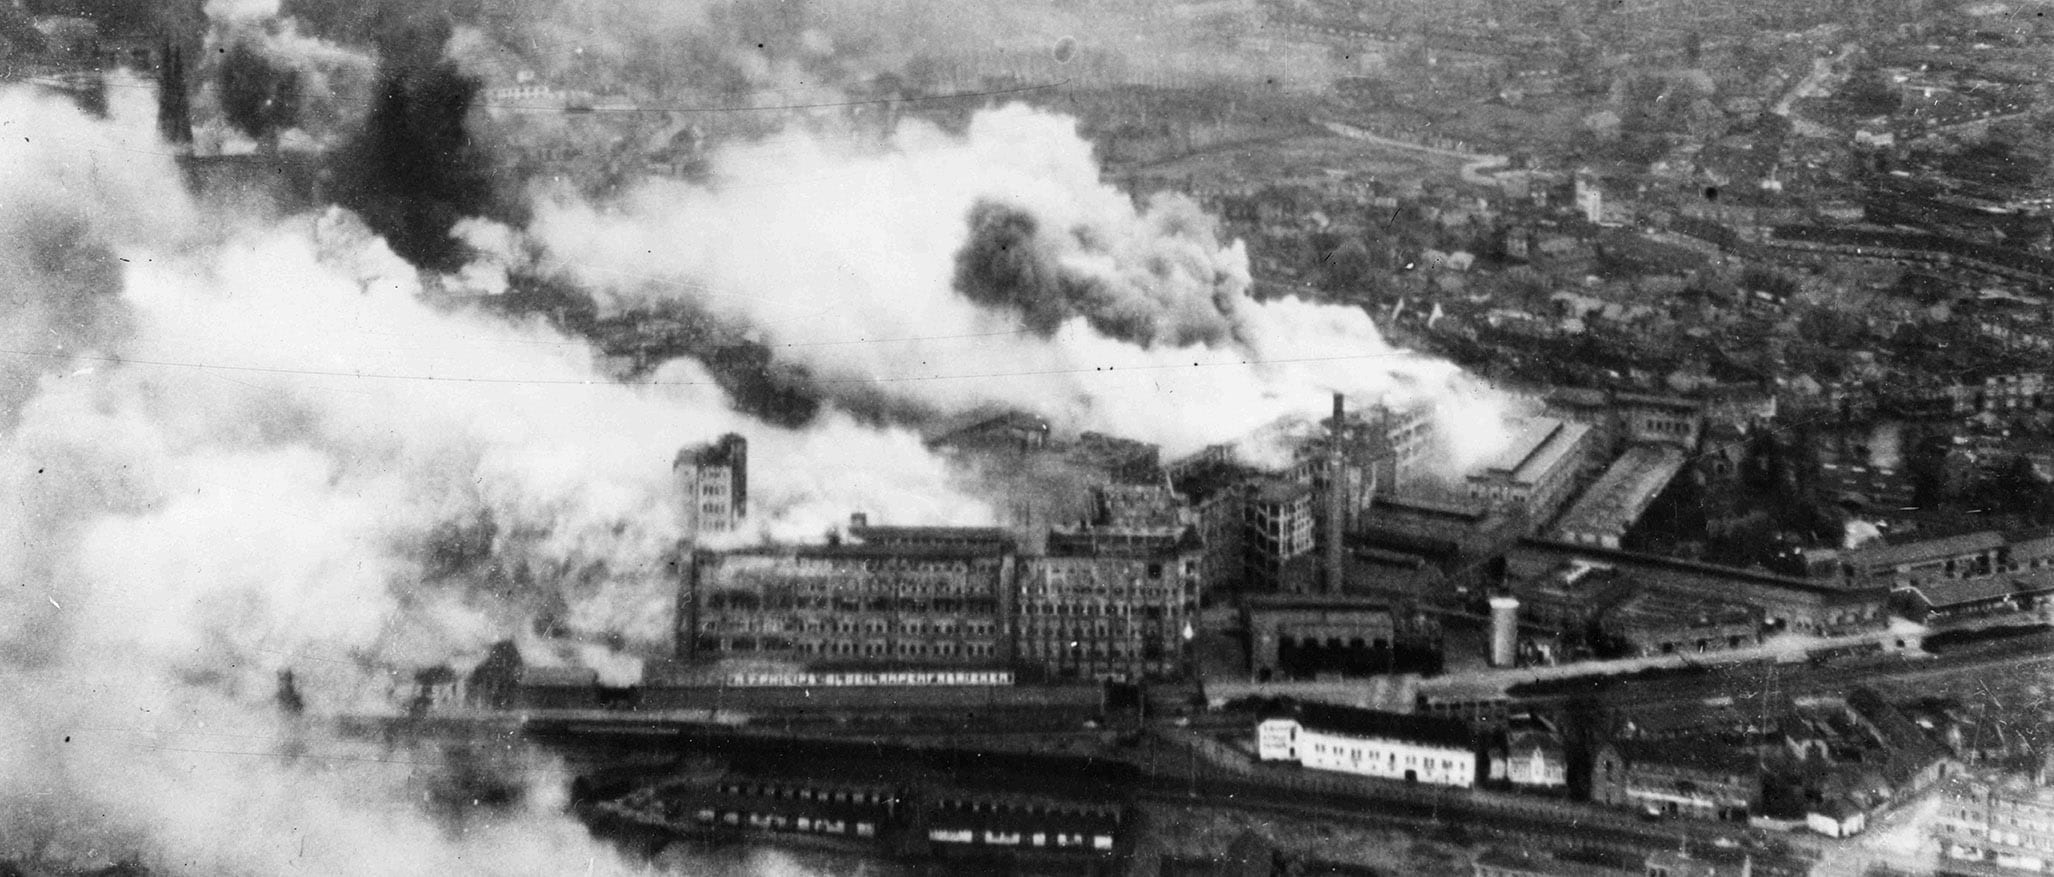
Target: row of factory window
pixel 1272 537
pixel 1044 809
pixel 1101 842
pixel 845 624
pixel 2010 838
pixel 1060 590
pixel 850 648
pixel 1087 585
pixel 1094 649
pixel 1075 631
pixel 780 822
pixel 1670 427
pixel 981 605
pixel 1087 609
pixel 839 584
pixel 713 508
pixel 904 585
pixel 1059 572
pixel 1981 566
pixel 1354 752
pixel 2011 820
pixel 1085 627
pixel 886 565
pixel 807 793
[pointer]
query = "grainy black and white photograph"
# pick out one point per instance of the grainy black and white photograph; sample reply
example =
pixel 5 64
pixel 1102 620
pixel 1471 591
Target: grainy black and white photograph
pixel 1140 438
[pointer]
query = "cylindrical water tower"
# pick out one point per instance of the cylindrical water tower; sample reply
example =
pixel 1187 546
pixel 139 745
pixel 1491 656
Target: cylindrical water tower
pixel 1504 630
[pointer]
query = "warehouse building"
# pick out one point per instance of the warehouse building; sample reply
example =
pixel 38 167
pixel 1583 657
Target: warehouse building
pixel 1394 746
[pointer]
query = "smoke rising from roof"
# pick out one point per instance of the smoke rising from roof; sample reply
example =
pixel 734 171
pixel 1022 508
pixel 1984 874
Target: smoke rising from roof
pixel 990 269
pixel 1166 281
pixel 414 171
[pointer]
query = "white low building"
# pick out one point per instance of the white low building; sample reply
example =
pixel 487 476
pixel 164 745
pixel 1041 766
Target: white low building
pixel 1441 752
pixel 1837 818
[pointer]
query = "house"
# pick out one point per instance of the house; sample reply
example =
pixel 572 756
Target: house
pixel 1650 622
pixel 1531 758
pixel 1836 817
pixel 1416 749
pixel 1913 761
pixel 1699 778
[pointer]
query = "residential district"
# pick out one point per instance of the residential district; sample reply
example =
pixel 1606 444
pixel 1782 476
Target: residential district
pixel 1762 584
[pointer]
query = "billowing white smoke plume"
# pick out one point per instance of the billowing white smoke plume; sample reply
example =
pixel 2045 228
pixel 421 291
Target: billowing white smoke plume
pixel 233 450
pixel 996 268
pixel 289 86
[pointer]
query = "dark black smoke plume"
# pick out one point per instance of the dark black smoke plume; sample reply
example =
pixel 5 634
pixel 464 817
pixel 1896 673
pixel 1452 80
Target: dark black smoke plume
pixel 747 371
pixel 260 97
pixel 1168 281
pixel 1004 265
pixel 1001 264
pixel 415 169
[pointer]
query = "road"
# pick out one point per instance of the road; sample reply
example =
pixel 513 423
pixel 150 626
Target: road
pixel 1426 816
pixel 1822 68
pixel 1474 163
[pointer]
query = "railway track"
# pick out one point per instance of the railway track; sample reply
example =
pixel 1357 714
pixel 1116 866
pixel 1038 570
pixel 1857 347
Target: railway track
pixel 2035 653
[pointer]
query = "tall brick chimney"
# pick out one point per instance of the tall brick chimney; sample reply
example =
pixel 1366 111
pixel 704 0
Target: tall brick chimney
pixel 1337 498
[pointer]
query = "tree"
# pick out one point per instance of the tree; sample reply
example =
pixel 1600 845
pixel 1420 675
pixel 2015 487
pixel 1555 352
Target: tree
pixel 1765 470
pixel 1935 472
pixel 1830 327
pixel 1869 92
pixel 1347 266
pixel 2016 488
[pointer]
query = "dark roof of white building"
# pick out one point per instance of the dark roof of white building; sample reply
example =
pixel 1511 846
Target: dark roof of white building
pixel 1379 725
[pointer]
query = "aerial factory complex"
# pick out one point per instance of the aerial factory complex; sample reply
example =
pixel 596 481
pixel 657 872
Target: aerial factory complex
pixel 1188 437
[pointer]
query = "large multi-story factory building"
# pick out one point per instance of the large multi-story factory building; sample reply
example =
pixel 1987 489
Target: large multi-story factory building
pixel 1101 602
pixel 893 602
pixel 713 484
pixel 1262 526
pixel 1109 603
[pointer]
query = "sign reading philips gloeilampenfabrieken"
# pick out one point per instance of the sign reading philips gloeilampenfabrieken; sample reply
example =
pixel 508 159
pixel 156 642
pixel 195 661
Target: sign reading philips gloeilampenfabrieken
pixel 863 680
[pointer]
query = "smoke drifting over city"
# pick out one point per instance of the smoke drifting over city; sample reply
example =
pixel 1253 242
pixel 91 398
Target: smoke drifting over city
pixel 240 449
pixel 993 268
pixel 237 447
